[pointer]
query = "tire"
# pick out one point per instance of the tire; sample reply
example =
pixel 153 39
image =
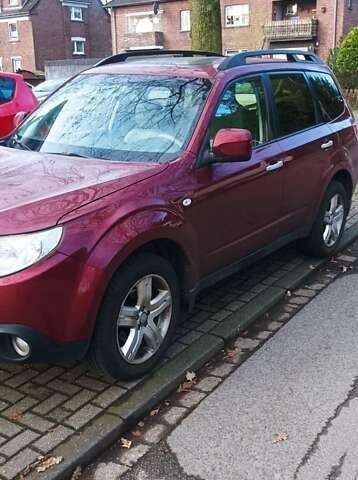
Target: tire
pixel 324 238
pixel 129 339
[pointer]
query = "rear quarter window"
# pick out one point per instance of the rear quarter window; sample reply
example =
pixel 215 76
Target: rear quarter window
pixel 294 103
pixel 328 96
pixel 7 89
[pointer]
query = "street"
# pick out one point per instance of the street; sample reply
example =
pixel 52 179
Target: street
pixel 288 413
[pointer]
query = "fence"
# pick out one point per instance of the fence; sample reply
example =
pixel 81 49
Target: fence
pixel 352 97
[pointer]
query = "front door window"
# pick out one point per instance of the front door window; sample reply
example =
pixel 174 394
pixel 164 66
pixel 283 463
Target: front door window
pixel 243 106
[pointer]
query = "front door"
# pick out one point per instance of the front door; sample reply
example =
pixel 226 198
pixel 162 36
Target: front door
pixel 235 206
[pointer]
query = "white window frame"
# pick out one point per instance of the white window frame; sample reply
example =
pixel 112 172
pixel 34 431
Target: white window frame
pixel 156 21
pixel 13 3
pixel 1 64
pixel 78 40
pixel 13 34
pixel 244 18
pixel 75 10
pixel 185 20
pixel 16 59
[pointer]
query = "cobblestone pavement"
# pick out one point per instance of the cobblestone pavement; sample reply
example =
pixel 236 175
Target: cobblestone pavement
pixel 43 407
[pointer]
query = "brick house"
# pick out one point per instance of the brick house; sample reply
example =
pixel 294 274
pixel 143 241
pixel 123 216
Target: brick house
pixel 316 25
pixel 34 31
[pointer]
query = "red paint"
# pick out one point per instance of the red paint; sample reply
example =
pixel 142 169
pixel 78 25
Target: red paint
pixel 109 210
pixel 22 101
pixel 233 143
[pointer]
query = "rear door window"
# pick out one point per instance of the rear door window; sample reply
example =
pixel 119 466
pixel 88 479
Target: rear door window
pixel 328 96
pixel 294 103
pixel 7 89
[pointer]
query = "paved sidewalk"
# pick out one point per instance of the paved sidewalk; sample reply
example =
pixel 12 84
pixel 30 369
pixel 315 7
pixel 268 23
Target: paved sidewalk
pixel 303 383
pixel 72 412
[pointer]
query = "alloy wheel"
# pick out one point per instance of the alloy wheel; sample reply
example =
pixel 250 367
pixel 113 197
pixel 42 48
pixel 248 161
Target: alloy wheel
pixel 144 319
pixel 333 220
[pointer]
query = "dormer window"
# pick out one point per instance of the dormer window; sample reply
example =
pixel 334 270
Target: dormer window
pixel 76 14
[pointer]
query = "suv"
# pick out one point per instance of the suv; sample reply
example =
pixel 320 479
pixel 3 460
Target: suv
pixel 148 178
pixel 15 97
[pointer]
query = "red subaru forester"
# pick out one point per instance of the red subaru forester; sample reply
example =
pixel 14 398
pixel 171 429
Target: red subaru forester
pixel 151 176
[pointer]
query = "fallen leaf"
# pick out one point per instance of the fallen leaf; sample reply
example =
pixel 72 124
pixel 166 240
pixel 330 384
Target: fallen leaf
pixel 312 267
pixel 16 416
pixel 136 433
pixel 166 403
pixel 77 474
pixel 154 412
pixel 48 462
pixel 140 424
pixel 232 352
pixel 344 268
pixel 125 443
pixel 185 387
pixel 288 293
pixel 280 437
pixel 190 376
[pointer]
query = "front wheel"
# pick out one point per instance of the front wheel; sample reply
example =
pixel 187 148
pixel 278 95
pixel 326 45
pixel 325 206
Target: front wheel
pixel 138 317
pixel 328 227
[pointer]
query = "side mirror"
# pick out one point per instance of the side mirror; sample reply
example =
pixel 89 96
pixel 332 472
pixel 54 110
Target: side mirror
pixel 233 145
pixel 18 119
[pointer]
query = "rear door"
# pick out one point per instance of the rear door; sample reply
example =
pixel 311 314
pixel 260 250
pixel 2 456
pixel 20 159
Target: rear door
pixel 307 144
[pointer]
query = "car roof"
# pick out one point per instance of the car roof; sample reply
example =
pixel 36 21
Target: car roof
pixel 15 76
pixel 205 64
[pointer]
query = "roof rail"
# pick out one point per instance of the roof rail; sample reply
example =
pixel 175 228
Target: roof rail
pixel 122 57
pixel 291 55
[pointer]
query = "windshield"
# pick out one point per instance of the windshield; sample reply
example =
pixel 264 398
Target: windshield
pixel 116 117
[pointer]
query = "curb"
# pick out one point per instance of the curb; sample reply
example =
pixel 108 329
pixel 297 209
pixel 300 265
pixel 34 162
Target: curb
pixel 106 429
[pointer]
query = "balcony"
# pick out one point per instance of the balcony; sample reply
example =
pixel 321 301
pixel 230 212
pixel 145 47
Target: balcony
pixel 282 30
pixel 134 41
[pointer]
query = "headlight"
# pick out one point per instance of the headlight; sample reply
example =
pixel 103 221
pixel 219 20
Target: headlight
pixel 21 251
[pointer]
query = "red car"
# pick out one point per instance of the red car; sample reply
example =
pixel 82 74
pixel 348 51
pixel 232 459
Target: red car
pixel 15 97
pixel 139 183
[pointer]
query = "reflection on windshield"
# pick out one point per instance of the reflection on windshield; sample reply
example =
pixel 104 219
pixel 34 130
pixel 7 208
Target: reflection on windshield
pixel 116 117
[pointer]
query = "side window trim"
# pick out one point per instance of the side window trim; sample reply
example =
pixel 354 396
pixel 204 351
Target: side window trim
pixel 199 162
pixel 274 109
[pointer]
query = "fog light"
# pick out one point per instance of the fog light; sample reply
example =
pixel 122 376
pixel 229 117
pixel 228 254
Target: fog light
pixel 21 347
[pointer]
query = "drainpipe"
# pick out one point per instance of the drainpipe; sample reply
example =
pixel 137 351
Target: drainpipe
pixel 335 14
pixel 114 30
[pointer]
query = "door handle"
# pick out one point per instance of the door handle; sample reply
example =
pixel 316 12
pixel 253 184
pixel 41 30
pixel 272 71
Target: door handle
pixel 327 145
pixel 274 166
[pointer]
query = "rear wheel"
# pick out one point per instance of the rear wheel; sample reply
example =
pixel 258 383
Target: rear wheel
pixel 137 318
pixel 328 227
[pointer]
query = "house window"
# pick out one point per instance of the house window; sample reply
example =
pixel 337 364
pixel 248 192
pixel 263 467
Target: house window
pixel 143 22
pixel 13 32
pixel 1 64
pixel 237 15
pixel 13 3
pixel 230 51
pixel 16 63
pixel 78 46
pixel 76 14
pixel 291 10
pixel 185 20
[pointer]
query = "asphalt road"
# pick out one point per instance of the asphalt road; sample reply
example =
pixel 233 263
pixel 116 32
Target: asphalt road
pixel 302 384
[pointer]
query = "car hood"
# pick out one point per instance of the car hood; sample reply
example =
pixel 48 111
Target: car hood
pixel 38 189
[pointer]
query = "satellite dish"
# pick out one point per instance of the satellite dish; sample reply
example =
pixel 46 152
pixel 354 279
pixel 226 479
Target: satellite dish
pixel 156 7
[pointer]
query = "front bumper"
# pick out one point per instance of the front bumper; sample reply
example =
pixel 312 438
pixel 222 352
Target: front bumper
pixel 52 306
pixel 42 348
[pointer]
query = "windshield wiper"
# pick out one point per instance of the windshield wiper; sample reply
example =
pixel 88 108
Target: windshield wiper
pixel 16 141
pixel 69 154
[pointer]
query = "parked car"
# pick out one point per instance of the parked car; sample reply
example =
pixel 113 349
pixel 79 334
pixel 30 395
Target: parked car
pixel 46 88
pixel 140 183
pixel 15 97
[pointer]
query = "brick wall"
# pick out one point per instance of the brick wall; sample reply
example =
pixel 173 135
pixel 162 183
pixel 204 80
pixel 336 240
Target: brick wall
pixel 23 46
pixel 250 37
pixel 47 35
